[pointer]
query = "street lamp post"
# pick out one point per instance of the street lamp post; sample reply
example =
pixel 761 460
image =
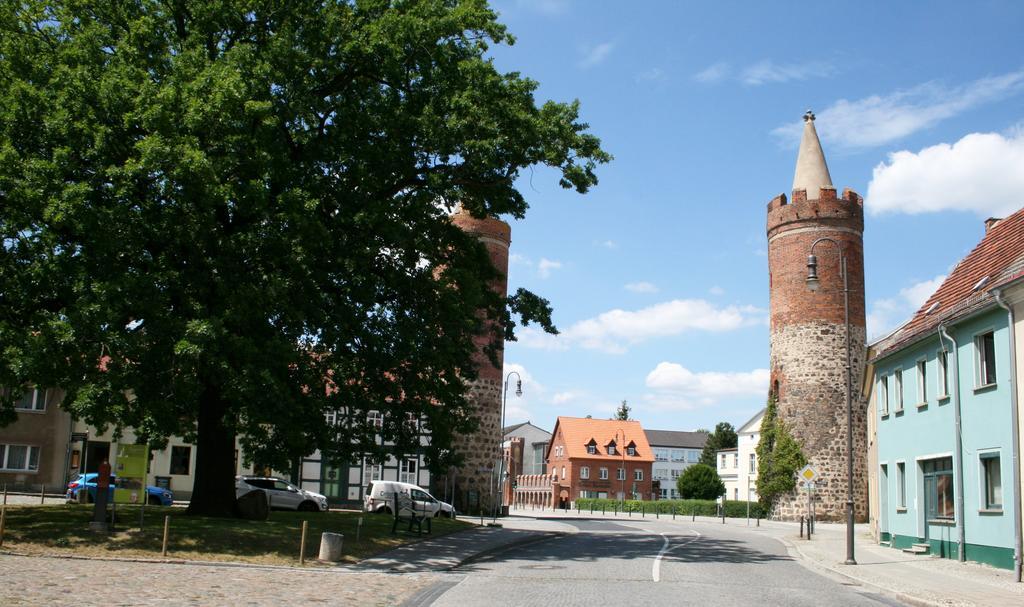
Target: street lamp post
pixel 501 441
pixel 622 450
pixel 813 283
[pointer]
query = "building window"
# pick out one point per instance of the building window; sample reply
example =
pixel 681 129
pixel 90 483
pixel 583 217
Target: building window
pixel 638 475
pixel 984 360
pixel 19 457
pixel 693 457
pixel 721 463
pixel 33 400
pixel 631 450
pixel 883 395
pixel 407 471
pixel 591 449
pixel 661 455
pixel 753 464
pixel 735 460
pixel 611 449
pixel 622 474
pixel 897 379
pixel 993 483
pixel 922 382
pixel 375 419
pixel 585 472
pixel 938 488
pixel 736 494
pixel 603 474
pixel 371 473
pixel 943 376
pixel 676 474
pixel 180 459
pixel 901 485
pixel 678 455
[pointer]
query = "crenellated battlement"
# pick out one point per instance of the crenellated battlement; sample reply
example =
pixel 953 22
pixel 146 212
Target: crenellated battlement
pixel 827 208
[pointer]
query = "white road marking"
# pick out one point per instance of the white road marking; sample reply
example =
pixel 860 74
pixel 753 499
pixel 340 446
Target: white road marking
pixel 656 568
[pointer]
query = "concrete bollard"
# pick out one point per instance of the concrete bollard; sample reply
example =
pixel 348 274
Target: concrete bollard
pixel 167 528
pixel 330 547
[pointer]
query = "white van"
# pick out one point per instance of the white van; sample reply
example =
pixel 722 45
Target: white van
pixel 380 498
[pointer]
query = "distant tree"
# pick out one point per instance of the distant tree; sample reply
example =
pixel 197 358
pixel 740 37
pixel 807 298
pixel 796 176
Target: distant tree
pixel 724 437
pixel 622 413
pixel 778 457
pixel 700 482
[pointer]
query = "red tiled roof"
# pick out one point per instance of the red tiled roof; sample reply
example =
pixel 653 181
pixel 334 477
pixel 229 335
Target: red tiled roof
pixel 578 431
pixel 997 258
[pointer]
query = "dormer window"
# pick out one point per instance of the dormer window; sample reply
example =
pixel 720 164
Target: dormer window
pixel 592 447
pixel 611 448
pixel 631 450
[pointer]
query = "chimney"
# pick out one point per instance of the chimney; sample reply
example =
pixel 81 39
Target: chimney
pixel 992 222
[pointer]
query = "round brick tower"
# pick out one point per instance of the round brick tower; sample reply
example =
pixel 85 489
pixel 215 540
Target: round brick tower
pixel 474 484
pixel 808 332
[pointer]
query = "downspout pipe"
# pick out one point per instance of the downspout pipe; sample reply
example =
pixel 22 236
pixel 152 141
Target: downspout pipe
pixel 958 464
pixel 1018 543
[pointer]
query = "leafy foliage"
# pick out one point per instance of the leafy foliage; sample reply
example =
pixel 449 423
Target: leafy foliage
pixel 700 482
pixel 733 508
pixel 231 218
pixel 724 437
pixel 779 457
pixel 622 413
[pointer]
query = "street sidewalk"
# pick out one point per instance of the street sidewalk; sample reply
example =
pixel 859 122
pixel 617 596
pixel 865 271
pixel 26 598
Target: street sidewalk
pixel 917 580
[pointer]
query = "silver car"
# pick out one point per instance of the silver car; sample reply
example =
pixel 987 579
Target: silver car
pixel 281 494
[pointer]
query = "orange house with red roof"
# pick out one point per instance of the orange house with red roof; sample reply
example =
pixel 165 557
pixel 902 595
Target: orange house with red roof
pixel 604 458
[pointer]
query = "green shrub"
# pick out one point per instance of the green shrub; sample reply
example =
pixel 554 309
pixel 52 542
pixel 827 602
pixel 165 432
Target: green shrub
pixel 733 509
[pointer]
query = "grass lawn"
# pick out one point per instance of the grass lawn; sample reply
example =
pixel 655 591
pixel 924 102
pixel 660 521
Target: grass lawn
pixel 64 530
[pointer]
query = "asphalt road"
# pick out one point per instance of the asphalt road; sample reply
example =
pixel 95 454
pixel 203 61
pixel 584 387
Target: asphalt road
pixel 644 563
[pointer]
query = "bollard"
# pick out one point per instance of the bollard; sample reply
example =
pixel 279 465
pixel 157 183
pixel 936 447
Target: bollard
pixel 3 520
pixel 577 507
pixel 603 506
pixel 801 526
pixel 302 544
pixel 330 547
pixel 167 527
pixel 42 494
pixel 759 521
pixel 693 513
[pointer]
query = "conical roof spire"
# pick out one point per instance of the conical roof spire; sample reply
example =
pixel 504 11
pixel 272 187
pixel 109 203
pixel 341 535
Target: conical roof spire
pixel 811 170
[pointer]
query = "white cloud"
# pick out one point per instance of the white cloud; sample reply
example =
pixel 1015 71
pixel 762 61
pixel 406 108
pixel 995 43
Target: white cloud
pixel 713 73
pixel 517 259
pixel 716 290
pixel 546 7
pixel 609 244
pixel 595 55
pixel 678 388
pixel 545 266
pixel 888 313
pixel 983 173
pixel 564 397
pixel 767 72
pixel 655 74
pixel 641 287
pixel 615 330
pixel 881 119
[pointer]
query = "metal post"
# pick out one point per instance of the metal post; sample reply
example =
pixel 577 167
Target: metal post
pixel 3 517
pixel 42 494
pixel 850 560
pixel 501 440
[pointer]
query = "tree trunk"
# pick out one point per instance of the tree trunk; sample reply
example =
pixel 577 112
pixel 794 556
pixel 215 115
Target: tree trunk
pixel 213 492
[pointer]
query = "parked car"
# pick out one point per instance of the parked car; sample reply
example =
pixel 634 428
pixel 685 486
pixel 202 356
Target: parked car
pixel 380 498
pixel 281 494
pixel 155 496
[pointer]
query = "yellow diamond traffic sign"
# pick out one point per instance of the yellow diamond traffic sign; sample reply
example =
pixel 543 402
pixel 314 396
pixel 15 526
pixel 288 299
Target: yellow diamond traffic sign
pixel 808 474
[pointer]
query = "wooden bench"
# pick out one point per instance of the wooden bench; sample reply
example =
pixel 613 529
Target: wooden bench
pixel 405 509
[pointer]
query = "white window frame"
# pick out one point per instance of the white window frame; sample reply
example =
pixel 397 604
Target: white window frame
pixel 922 383
pixel 981 363
pixel 584 472
pixel 883 395
pixel 942 374
pixel 753 464
pixel 631 451
pixel 375 418
pixel 5 455
pixel 612 449
pixel 372 472
pixel 38 402
pixel 897 378
pixel 591 449
pixel 621 474
pixel 407 476
pixel 638 474
pixel 603 473
pixel 901 485
pixel 983 455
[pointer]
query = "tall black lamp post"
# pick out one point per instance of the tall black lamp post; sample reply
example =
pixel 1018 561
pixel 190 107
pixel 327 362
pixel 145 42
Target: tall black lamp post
pixel 813 283
pixel 500 504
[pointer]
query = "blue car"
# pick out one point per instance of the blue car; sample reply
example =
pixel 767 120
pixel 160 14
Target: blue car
pixel 155 496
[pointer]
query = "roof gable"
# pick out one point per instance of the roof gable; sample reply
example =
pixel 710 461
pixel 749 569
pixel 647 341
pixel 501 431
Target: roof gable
pixel 577 432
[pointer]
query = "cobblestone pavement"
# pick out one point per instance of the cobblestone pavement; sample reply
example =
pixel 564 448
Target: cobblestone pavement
pixel 58 581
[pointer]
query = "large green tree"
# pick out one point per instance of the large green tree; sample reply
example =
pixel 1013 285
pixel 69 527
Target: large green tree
pixel 724 437
pixel 700 482
pixel 231 219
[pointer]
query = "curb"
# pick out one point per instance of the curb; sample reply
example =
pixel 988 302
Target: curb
pixel 810 563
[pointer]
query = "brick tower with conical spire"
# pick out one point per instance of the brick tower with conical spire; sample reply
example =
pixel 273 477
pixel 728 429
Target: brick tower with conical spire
pixel 808 329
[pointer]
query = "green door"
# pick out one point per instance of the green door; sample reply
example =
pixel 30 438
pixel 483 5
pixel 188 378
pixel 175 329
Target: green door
pixel 334 482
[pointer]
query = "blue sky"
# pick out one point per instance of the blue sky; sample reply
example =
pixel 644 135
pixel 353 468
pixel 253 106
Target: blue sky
pixel 658 277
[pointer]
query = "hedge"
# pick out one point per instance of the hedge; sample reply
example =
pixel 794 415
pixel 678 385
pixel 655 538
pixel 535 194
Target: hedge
pixel 733 509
